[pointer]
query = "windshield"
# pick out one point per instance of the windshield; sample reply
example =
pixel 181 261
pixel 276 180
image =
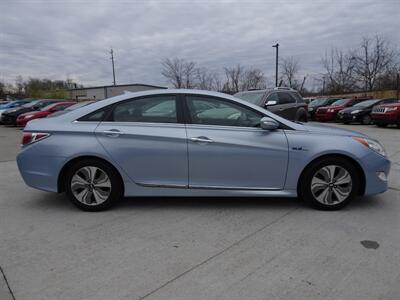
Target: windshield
pixel 252 97
pixel 339 102
pixel 9 104
pixel 317 102
pixel 366 103
pixel 30 104
pixel 47 107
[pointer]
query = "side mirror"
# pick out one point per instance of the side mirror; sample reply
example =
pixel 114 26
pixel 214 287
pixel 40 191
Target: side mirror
pixel 270 102
pixel 269 124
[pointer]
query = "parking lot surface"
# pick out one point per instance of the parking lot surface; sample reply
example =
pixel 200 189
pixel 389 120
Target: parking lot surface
pixel 197 248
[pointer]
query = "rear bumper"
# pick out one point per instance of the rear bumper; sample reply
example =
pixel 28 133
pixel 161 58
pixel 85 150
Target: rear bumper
pixel 40 172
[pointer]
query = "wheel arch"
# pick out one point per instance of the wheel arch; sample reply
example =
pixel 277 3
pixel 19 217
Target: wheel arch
pixel 68 164
pixel 348 158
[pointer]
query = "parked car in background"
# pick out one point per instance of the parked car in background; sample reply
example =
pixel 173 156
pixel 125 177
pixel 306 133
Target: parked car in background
pixel 12 104
pixel 383 115
pixel 361 112
pixel 308 100
pixel 24 118
pixel 179 142
pixel 70 108
pixel 317 103
pixel 9 117
pixel 329 113
pixel 284 102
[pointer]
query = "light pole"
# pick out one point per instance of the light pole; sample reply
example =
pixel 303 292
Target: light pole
pixel 112 62
pixel 276 46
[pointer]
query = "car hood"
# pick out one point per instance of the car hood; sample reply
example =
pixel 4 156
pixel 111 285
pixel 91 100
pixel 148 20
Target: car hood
pixel 353 108
pixel 18 111
pixel 324 129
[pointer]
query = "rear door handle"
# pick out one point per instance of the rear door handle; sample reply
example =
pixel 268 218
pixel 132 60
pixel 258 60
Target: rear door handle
pixel 112 132
pixel 201 139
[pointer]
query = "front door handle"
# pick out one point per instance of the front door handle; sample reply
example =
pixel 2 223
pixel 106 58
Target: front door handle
pixel 112 132
pixel 201 139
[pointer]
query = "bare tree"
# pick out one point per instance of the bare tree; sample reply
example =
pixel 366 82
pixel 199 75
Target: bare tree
pixel 179 72
pixel 339 74
pixel 290 68
pixel 373 58
pixel 233 78
pixel 252 79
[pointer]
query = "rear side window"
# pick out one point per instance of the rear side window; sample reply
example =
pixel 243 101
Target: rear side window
pixel 95 116
pixel 285 98
pixel 158 109
pixel 273 97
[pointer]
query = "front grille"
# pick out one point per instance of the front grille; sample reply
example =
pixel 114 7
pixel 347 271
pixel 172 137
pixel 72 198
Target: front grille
pixel 379 110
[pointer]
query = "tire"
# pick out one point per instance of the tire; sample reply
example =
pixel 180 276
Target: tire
pixel 329 196
pixel 302 118
pixel 381 124
pixel 97 185
pixel 366 120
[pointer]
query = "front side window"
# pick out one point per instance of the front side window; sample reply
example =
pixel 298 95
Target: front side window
pixel 214 111
pixel 159 109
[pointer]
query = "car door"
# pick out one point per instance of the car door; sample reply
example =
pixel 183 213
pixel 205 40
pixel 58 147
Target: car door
pixel 288 105
pixel 146 138
pixel 228 149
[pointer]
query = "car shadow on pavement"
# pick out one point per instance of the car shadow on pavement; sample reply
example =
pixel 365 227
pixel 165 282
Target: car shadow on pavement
pixel 52 201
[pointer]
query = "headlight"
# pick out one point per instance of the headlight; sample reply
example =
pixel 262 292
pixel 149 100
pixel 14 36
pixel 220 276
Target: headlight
pixel 371 144
pixel 355 111
pixel 28 116
pixel 331 110
pixel 391 109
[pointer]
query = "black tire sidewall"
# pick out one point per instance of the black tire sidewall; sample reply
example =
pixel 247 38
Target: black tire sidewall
pixel 364 119
pixel 305 182
pixel 116 184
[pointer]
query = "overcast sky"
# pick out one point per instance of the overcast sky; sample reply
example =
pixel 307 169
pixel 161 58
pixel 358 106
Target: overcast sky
pixel 56 39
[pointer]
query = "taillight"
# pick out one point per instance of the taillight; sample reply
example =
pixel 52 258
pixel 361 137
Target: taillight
pixel 31 137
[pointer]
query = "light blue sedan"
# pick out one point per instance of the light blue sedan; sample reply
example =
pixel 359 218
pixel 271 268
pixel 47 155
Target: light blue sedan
pixel 196 143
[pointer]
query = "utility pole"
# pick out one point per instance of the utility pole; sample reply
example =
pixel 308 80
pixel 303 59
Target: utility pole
pixel 397 85
pixel 276 46
pixel 112 62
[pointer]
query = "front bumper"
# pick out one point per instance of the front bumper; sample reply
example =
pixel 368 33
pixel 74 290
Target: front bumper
pixel 386 118
pixel 325 116
pixel 348 118
pixel 8 120
pixel 373 164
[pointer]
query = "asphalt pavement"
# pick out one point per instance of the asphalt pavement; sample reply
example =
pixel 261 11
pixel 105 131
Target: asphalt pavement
pixel 197 248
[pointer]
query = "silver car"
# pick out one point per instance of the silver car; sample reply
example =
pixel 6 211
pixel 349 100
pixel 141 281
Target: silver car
pixel 196 143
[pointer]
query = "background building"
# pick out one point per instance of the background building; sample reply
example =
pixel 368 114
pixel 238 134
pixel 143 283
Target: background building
pixel 103 92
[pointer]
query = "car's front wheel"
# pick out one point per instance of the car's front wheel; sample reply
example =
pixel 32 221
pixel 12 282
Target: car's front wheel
pixel 329 183
pixel 93 185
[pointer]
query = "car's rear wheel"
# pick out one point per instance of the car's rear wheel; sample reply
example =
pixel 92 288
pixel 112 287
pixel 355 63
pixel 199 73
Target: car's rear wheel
pixel 93 185
pixel 366 120
pixel 329 183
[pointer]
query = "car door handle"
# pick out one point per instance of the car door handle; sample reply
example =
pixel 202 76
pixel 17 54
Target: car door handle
pixel 201 139
pixel 112 132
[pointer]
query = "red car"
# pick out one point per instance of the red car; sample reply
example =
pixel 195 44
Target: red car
pixel 386 114
pixel 328 113
pixel 44 112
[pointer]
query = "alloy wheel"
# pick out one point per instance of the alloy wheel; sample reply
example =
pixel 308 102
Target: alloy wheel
pixel 331 185
pixel 91 185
